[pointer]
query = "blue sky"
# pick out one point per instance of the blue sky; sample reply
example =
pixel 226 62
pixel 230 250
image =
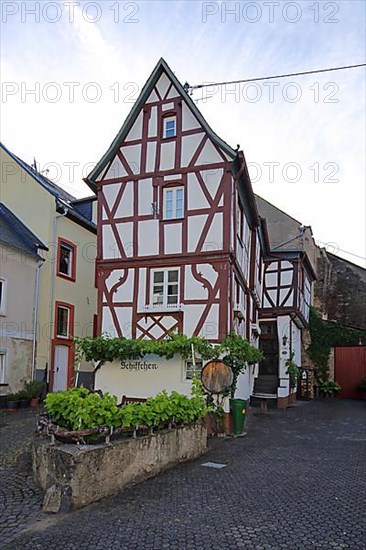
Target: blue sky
pixel 312 127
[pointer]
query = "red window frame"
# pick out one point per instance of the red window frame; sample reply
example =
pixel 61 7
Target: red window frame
pixel 73 247
pixel 70 332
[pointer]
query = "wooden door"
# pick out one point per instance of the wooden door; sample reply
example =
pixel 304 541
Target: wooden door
pixel 60 368
pixel 349 368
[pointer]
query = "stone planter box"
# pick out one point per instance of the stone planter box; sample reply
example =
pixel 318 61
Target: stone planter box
pixel 77 475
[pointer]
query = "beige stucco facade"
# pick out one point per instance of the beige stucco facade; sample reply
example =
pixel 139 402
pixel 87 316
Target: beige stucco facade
pixel 35 206
pixel 18 276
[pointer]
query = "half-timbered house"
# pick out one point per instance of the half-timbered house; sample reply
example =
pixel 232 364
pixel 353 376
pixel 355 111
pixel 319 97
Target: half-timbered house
pixel 180 241
pixel 289 272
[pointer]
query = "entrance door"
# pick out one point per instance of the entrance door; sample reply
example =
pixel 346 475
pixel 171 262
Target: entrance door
pixel 267 381
pixel 60 368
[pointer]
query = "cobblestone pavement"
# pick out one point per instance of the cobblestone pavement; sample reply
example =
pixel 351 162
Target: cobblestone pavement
pixel 297 481
pixel 20 500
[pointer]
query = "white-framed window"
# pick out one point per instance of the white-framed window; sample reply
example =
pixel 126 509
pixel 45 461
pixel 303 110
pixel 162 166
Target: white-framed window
pixel 169 127
pixel 173 203
pixel 3 285
pixel 190 370
pixel 165 287
pixel 3 377
pixel 62 322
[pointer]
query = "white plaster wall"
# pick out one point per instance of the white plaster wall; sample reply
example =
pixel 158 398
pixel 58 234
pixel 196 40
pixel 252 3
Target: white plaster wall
pixel 153 122
pixel 136 130
pixel 144 383
pixel 209 155
pixel 148 232
pixel 150 157
pixel 145 197
pixel 125 207
pixel 194 290
pixel 163 85
pixel 196 197
pixel 245 383
pixel 189 121
pixel 173 238
pixel 214 239
pixel 108 326
pixel 132 153
pixel 110 248
pixel 116 170
pixel 125 231
pixel 191 315
pixel 189 147
pixel 195 226
pixel 283 329
pixel 110 193
pixel 167 155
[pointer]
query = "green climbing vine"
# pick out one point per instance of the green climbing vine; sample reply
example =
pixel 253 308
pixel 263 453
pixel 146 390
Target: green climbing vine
pixel 324 336
pixel 292 370
pixel 237 351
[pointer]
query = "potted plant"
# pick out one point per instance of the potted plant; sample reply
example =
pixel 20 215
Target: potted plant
pixel 328 388
pixel 24 399
pixel 34 389
pixel 12 402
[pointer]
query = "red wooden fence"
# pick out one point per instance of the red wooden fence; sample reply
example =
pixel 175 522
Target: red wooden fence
pixel 349 368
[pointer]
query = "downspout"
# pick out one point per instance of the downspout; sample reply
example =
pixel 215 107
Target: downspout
pixel 35 317
pixel 52 293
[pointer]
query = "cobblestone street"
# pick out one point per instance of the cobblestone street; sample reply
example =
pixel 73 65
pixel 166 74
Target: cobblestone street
pixel 297 481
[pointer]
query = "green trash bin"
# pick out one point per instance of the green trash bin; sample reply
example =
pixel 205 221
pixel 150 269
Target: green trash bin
pixel 239 408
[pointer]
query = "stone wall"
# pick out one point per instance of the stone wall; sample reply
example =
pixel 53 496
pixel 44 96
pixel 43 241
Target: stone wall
pixel 340 291
pixel 81 474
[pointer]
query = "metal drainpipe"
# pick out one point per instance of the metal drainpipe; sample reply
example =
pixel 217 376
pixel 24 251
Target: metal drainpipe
pixel 35 321
pixel 54 235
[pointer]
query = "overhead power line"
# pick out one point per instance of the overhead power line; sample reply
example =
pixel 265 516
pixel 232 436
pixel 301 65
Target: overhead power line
pixel 197 86
pixel 340 249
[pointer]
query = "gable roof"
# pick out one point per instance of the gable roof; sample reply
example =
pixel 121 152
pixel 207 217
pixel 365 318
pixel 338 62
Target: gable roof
pixel 47 184
pixel 74 211
pixel 14 233
pixel 161 67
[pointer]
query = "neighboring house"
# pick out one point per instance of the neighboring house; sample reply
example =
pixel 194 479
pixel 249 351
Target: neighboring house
pixel 67 295
pixel 340 290
pixel 289 274
pixel 20 262
pixel 180 241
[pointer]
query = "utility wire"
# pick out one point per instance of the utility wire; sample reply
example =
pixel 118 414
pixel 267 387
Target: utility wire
pixel 187 87
pixel 340 249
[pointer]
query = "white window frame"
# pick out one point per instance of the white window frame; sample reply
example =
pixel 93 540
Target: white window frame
pixel 189 368
pixel 174 208
pixel 166 120
pixel 3 365
pixel 165 284
pixel 63 336
pixel 4 284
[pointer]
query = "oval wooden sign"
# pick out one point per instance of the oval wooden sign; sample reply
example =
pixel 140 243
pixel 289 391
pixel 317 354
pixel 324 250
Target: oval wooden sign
pixel 216 376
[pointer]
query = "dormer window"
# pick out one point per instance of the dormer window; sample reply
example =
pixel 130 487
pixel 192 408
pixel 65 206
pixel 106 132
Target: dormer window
pixel 169 127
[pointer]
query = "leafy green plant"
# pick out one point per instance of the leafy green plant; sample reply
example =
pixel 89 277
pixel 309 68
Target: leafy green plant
pixel 329 386
pixel 103 349
pixel 80 409
pixel 33 388
pixel 292 370
pixel 324 336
